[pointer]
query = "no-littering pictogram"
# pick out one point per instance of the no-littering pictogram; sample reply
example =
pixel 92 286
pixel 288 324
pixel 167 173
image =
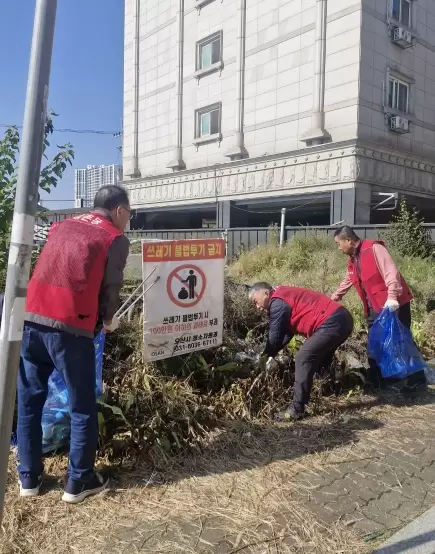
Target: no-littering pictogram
pixel 186 285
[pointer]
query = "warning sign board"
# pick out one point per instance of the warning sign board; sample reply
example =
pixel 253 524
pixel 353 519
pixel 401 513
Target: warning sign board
pixel 183 310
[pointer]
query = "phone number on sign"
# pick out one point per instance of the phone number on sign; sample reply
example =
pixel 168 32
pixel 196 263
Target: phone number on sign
pixel 195 345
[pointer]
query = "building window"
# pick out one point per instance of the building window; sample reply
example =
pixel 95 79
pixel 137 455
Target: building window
pixel 401 11
pixel 209 55
pixel 209 51
pixel 398 95
pixel 208 123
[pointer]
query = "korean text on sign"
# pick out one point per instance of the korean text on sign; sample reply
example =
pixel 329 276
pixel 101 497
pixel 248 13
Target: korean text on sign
pixel 201 249
pixel 183 311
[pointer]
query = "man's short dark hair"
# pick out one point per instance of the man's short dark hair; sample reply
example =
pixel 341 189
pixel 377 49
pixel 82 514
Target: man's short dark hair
pixel 110 197
pixel 262 285
pixel 346 232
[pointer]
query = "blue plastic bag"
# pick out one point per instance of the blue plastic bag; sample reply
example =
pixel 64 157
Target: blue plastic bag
pixel 56 421
pixel 392 346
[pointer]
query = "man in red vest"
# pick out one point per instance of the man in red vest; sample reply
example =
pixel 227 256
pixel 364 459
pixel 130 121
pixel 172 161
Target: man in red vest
pixel 293 310
pixel 379 284
pixel 76 283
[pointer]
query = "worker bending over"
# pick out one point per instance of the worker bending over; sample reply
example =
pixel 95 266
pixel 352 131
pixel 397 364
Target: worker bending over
pixel 325 323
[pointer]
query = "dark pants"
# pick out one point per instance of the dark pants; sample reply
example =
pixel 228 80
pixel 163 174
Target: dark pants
pixel 43 351
pixel 374 373
pixel 317 351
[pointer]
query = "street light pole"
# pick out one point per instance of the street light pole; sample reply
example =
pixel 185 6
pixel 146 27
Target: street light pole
pixel 282 229
pixel 26 200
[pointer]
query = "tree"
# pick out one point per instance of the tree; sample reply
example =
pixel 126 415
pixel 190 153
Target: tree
pixel 407 234
pixel 50 175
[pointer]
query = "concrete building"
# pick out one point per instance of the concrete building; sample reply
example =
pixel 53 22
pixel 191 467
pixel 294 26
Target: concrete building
pixel 236 108
pixel 88 181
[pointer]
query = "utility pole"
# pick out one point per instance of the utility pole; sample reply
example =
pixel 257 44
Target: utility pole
pixel 26 200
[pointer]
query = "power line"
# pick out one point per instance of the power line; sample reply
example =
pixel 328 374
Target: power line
pixel 77 131
pixel 55 200
pixel 279 211
pixel 253 211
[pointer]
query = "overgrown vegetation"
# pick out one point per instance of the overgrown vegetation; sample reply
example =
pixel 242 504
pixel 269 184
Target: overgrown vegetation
pixel 171 405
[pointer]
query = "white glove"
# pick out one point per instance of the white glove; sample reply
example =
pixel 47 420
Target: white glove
pixel 270 364
pixel 111 326
pixel 392 305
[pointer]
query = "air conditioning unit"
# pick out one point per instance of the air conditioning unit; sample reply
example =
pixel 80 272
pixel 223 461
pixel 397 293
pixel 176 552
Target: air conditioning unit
pixel 402 37
pixel 399 124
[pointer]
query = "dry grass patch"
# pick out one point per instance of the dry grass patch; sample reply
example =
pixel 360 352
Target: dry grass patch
pixel 239 494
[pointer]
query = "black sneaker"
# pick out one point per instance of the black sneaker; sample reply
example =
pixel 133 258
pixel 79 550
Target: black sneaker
pixel 290 415
pixel 30 486
pixel 417 379
pixel 76 492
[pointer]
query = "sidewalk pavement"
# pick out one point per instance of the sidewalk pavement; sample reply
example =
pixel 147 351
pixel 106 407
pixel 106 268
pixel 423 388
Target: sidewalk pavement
pixel 416 538
pixel 384 482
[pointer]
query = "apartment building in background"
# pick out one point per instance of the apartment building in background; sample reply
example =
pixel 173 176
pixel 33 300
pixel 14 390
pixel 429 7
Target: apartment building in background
pixel 234 109
pixel 87 182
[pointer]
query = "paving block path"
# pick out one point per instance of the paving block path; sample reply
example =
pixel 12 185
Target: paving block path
pixel 367 474
pixel 388 479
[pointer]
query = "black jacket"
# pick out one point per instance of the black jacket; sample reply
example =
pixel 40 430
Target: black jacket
pixel 280 333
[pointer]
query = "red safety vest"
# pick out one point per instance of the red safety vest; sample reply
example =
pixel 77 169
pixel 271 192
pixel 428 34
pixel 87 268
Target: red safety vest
pixel 66 283
pixel 309 309
pixel 369 282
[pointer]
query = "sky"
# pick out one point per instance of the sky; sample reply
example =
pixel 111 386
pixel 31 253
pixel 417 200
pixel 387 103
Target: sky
pixel 86 84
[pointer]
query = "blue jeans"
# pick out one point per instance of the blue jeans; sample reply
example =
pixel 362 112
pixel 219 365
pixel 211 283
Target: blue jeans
pixel 43 351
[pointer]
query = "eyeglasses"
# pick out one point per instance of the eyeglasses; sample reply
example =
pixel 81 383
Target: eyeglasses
pixel 129 211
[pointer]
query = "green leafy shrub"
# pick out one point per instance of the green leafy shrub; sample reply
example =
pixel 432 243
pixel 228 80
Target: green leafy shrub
pixel 407 234
pixel 50 175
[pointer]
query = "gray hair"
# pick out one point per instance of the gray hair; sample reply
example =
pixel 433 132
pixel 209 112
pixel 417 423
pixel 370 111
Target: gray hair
pixel 261 285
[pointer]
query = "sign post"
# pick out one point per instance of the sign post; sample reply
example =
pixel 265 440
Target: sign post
pixel 184 309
